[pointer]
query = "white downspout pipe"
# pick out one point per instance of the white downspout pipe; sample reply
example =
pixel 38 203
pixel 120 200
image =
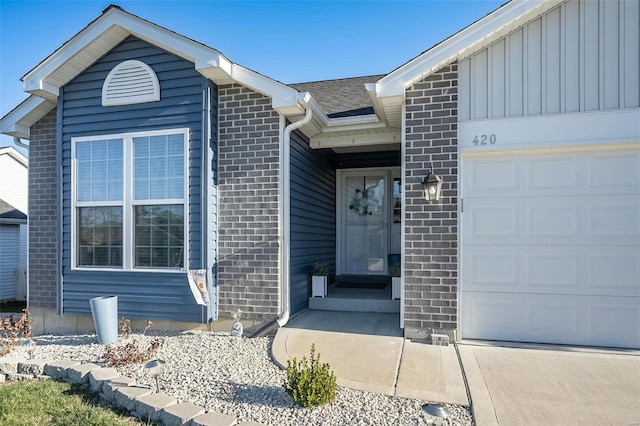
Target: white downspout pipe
pixel 285 209
pixel 18 142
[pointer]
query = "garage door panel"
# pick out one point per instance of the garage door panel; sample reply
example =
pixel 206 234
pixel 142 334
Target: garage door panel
pixel 570 269
pixel 492 176
pixel 613 271
pixel 610 220
pixel 545 174
pixel 493 269
pixel 565 173
pixel 615 218
pixel 497 221
pixel 615 322
pixel 615 172
pixel 548 271
pixel 550 220
pixel 563 319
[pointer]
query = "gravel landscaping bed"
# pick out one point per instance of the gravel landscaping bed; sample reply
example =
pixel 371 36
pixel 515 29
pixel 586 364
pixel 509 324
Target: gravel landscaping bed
pixel 236 376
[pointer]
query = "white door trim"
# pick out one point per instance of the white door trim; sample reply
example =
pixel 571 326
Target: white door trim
pixel 389 173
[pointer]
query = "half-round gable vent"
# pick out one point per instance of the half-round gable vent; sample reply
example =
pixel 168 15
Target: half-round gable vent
pixel 130 82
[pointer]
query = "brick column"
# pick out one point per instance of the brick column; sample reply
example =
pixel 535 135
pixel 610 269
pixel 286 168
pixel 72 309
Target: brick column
pixel 42 213
pixel 248 173
pixel 431 229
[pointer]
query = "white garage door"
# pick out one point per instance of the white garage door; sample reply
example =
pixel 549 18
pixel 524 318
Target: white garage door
pixel 551 247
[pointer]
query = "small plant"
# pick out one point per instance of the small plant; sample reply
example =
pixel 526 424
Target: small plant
pixel 394 270
pixel 310 383
pixel 12 331
pixel 319 269
pixel 130 350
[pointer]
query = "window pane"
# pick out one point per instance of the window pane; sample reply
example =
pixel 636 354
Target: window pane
pixel 100 236
pixel 83 151
pixel 175 166
pixel 99 150
pixel 157 189
pixel 159 236
pixel 115 149
pixel 155 159
pixel 158 146
pixel 99 170
pixel 141 168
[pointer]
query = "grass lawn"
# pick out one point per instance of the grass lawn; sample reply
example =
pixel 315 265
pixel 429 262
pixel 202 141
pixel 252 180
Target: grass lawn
pixel 12 306
pixel 47 402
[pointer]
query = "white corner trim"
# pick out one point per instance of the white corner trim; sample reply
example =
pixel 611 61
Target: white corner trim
pixel 559 130
pixel 394 83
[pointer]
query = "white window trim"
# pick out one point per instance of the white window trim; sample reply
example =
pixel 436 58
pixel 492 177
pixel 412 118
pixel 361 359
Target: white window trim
pixel 127 202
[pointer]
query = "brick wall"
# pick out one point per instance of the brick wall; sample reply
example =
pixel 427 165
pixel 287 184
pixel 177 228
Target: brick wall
pixel 248 204
pixel 431 261
pixel 42 213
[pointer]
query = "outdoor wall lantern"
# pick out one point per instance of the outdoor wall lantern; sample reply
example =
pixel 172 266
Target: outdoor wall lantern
pixel 155 369
pixel 432 186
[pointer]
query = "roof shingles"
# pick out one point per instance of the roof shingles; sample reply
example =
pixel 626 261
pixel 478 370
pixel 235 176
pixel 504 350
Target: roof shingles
pixel 344 97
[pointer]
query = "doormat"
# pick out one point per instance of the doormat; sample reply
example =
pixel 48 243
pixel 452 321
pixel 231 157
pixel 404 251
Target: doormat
pixel 369 286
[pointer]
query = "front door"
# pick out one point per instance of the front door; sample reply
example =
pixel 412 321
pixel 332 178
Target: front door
pixel 363 217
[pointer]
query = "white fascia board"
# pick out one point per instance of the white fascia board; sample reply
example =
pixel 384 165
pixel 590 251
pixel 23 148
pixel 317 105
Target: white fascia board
pixel 395 83
pixel 36 79
pixel 550 131
pixel 209 62
pixel 17 122
pixel 378 108
pixel 13 153
pixel 351 140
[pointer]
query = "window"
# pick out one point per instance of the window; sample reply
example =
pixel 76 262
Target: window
pixel 129 201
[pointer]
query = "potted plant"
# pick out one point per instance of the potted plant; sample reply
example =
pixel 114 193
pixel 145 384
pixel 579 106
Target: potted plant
pixel 319 272
pixel 394 271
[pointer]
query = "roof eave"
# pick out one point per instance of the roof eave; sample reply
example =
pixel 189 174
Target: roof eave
pixel 461 44
pixel 114 26
pixel 18 121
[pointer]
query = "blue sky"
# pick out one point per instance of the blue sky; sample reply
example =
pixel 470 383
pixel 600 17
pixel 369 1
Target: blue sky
pixel 290 41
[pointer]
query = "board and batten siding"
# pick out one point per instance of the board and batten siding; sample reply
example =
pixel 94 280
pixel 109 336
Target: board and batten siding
pixel 152 295
pixel 579 56
pixel 313 216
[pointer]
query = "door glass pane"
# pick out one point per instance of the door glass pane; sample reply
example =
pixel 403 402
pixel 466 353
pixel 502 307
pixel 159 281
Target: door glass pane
pixel 365 232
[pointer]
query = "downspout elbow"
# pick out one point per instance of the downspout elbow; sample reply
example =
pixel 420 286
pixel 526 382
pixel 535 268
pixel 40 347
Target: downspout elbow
pixel 286 284
pixel 18 142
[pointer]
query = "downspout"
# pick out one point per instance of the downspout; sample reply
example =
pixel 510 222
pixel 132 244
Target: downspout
pixel 285 208
pixel 18 142
pixel 285 222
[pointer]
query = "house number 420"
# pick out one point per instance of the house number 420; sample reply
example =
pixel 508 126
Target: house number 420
pixel 484 139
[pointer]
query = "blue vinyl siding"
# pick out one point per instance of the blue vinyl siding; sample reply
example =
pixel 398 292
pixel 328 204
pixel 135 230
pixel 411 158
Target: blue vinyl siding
pixel 154 295
pixel 313 215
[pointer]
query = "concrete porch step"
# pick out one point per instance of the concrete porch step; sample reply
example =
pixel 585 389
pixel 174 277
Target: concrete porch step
pixel 354 305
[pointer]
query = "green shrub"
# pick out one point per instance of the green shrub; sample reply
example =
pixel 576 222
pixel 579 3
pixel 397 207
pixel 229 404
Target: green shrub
pixel 310 383
pixel 319 269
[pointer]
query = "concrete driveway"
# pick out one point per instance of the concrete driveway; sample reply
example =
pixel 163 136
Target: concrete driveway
pixel 513 386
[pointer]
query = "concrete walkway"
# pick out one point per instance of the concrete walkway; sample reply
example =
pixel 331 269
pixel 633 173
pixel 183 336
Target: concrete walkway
pixel 526 385
pixel 552 386
pixel 367 352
